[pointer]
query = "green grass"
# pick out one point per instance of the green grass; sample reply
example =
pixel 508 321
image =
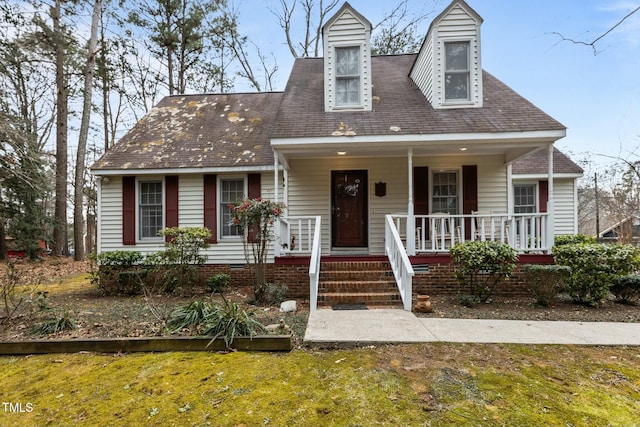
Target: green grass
pixel 411 385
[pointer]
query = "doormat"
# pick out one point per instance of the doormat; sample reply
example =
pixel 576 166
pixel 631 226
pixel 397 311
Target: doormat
pixel 361 306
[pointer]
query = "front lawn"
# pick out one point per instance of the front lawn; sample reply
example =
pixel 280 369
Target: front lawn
pixel 410 385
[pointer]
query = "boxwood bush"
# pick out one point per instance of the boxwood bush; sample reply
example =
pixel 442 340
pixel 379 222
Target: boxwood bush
pixel 480 266
pixel 595 268
pixel 626 289
pixel 545 281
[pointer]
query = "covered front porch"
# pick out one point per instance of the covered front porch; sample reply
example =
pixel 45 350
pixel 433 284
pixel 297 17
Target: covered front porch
pixel 401 200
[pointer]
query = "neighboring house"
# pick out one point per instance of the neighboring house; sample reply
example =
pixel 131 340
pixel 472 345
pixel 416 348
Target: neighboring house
pixel 364 150
pixel 627 230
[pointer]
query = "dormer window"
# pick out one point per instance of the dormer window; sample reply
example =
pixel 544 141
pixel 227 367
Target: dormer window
pixel 348 76
pixel 457 72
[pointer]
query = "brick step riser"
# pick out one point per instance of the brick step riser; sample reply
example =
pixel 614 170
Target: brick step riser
pixel 371 276
pixel 359 287
pixel 370 299
pixel 355 266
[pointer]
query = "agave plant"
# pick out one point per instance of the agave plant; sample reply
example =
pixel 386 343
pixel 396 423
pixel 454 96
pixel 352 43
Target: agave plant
pixel 229 321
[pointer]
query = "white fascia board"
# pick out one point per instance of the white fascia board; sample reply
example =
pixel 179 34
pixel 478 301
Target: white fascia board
pixel 545 176
pixel 548 136
pixel 183 171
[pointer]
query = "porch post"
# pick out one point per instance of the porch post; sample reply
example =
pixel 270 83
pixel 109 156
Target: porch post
pixel 276 229
pixel 550 203
pixel 411 219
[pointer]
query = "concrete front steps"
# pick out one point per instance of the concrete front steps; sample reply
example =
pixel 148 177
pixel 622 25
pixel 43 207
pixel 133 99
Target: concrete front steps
pixel 353 283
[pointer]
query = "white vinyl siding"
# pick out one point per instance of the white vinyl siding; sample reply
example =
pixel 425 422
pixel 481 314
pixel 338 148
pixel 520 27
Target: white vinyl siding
pixel 191 214
pixel 565 209
pixel 347 31
pixel 455 25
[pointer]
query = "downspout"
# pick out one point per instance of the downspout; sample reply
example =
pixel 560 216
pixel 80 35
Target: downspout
pixel 411 219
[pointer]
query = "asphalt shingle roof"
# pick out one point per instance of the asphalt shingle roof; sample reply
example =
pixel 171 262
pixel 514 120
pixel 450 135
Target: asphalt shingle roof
pixel 538 162
pixel 236 129
pixel 199 131
pixel 399 103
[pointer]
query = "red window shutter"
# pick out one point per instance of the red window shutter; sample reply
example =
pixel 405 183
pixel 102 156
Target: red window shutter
pixel 128 210
pixel 171 202
pixel 543 195
pixel 421 190
pixel 210 206
pixel 254 190
pixel 421 193
pixel 469 195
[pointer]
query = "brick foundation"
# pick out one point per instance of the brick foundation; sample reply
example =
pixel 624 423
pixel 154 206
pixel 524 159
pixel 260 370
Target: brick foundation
pixel 434 274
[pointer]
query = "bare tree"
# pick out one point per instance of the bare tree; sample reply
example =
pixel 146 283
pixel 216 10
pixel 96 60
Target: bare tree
pixel 592 43
pixel 314 15
pixel 79 182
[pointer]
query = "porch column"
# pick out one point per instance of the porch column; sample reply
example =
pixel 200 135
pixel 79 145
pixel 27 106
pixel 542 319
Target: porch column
pixel 411 219
pixel 550 203
pixel 276 228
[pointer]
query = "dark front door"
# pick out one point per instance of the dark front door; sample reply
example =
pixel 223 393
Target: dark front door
pixel 349 209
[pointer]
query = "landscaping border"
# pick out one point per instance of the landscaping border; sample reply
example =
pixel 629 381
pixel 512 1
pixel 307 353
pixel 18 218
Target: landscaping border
pixel 146 344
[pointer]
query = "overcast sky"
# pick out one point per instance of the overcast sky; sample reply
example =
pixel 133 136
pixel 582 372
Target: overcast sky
pixel 597 97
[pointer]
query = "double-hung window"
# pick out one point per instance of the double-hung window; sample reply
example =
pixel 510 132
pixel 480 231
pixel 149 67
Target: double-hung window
pixel 524 198
pixel 348 76
pixel 231 191
pixel 445 192
pixel 457 71
pixel 150 209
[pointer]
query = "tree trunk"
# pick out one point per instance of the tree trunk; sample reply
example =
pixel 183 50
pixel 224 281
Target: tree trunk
pixel 78 199
pixel 60 226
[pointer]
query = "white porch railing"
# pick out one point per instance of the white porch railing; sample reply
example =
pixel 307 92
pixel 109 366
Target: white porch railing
pixel 400 264
pixel 314 265
pixel 296 234
pixel 302 235
pixel 438 232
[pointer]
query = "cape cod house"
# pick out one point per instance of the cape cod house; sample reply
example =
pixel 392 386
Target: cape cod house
pixel 381 160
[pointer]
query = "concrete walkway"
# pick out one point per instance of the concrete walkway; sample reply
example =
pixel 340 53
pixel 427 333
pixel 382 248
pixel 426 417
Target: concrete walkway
pixel 327 328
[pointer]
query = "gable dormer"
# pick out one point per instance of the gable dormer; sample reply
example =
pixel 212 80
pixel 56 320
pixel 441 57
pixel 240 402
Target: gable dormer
pixel 448 69
pixel 347 61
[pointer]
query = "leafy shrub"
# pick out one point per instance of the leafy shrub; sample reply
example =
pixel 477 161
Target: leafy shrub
pixel 595 268
pixel 190 315
pixel 119 272
pixel 626 289
pixel 468 300
pixel 480 266
pixel 175 267
pixel 545 282
pixel 270 293
pixel 218 282
pixel 572 239
pixel 120 259
pixel 229 321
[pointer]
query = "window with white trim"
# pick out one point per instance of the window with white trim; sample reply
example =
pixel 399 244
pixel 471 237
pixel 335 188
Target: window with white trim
pixel 150 210
pixel 457 71
pixel 445 192
pixel 348 76
pixel 524 198
pixel 231 191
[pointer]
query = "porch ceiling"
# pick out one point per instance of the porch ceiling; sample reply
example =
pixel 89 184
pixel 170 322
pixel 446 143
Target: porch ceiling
pixel 511 146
